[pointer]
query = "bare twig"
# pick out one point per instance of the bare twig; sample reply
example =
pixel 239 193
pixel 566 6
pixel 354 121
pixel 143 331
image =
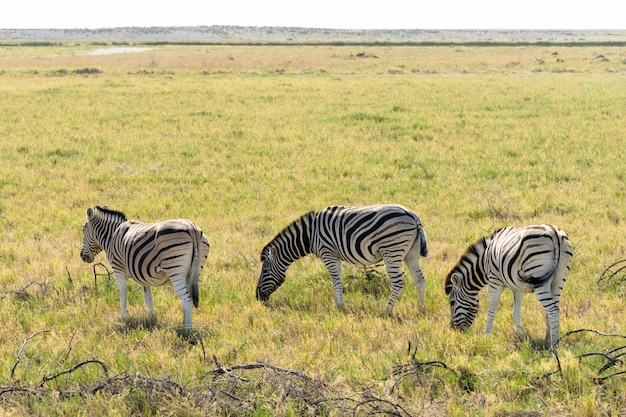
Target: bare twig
pixel 222 370
pixel 18 389
pixel 69 276
pixel 559 370
pixel 96 274
pixel 607 275
pixel 72 369
pixel 19 353
pixel 604 378
pixel 571 332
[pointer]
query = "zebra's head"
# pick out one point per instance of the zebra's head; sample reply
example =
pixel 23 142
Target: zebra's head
pixel 272 273
pixel 463 304
pixel 91 247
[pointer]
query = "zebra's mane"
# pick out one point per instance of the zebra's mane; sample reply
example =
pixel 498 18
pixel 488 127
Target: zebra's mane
pixel 286 230
pixel 107 214
pixel 469 257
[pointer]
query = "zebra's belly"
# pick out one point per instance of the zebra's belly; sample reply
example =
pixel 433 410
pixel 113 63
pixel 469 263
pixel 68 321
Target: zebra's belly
pixel 514 286
pixel 154 278
pixel 361 260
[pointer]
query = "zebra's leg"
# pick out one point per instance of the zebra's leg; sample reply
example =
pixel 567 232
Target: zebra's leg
pixel 550 304
pixel 495 291
pixel 147 298
pixel 180 288
pixel 394 270
pixel 334 268
pixel 122 286
pixel 412 262
pixel 517 312
pixel 547 339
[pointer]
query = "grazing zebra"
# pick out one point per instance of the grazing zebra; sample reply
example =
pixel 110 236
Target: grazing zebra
pixel 529 259
pixel 151 254
pixel 358 235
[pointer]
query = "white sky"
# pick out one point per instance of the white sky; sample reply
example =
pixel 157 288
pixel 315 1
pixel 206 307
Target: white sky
pixel 332 14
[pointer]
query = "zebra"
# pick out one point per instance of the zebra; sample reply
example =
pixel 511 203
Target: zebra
pixel 358 235
pixel 529 259
pixel 151 254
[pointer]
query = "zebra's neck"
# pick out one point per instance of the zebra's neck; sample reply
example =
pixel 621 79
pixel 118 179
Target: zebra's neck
pixel 294 242
pixel 472 266
pixel 106 222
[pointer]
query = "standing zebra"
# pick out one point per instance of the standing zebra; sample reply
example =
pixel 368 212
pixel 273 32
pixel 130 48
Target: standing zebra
pixel 529 259
pixel 151 254
pixel 358 235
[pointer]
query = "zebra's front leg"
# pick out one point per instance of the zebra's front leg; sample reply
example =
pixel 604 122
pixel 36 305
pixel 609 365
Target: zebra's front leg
pixel 517 313
pixel 122 285
pixel 334 268
pixel 495 291
pixel 147 298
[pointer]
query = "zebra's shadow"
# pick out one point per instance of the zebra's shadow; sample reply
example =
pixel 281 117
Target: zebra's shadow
pixel 535 344
pixel 138 323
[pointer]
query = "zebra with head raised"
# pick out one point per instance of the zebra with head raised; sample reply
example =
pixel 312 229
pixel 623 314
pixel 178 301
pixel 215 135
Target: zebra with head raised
pixel 358 235
pixel 151 254
pixel 529 259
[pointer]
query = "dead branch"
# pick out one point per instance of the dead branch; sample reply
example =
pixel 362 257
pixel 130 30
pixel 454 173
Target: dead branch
pixel 19 353
pixel 18 389
pixel 96 274
pixel 69 276
pixel 559 370
pixel 607 275
pixel 74 368
pixel 416 369
pixel 380 406
pixel 571 332
pixel 599 380
pixel 221 370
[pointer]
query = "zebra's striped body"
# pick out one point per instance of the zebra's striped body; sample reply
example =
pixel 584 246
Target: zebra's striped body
pixel 358 235
pixel 150 254
pixel 530 259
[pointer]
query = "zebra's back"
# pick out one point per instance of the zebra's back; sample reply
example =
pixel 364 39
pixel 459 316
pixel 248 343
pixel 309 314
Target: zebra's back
pixel 523 258
pixel 149 252
pixel 361 235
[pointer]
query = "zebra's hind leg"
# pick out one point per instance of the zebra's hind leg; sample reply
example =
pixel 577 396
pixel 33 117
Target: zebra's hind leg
pixel 394 270
pixel 180 288
pixel 412 262
pixel 147 298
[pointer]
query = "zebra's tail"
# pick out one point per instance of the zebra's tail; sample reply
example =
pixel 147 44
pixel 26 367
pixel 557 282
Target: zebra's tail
pixel 423 243
pixel 194 275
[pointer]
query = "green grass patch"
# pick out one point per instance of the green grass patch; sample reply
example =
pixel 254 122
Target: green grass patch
pixel 243 140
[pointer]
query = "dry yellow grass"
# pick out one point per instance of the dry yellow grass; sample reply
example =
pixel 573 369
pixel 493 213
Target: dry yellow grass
pixel 242 140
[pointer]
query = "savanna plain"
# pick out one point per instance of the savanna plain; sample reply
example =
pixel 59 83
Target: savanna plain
pixel 243 139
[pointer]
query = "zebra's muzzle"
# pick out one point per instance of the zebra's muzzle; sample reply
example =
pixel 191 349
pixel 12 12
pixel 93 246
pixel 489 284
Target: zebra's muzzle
pixel 86 257
pixel 261 296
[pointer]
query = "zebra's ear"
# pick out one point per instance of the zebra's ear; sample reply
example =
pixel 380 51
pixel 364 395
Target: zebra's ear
pixel 273 253
pixel 89 213
pixel 456 278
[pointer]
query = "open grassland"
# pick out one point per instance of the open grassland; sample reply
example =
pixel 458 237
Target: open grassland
pixel 243 140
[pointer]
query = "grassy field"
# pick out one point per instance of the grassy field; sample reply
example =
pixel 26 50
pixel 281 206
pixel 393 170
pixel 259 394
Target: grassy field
pixel 244 139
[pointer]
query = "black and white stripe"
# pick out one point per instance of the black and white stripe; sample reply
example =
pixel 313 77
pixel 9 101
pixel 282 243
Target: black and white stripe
pixel 529 259
pixel 358 235
pixel 151 254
